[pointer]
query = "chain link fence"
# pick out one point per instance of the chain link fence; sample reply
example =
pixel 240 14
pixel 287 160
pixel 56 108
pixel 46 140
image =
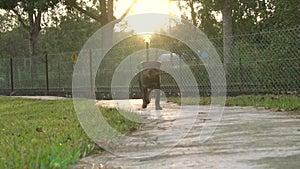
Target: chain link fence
pixel 264 62
pixel 48 74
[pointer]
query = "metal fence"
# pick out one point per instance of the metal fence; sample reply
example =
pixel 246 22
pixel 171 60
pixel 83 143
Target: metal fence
pixel 49 74
pixel 264 62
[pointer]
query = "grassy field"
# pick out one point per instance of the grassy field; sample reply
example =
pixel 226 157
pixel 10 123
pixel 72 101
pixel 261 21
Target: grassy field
pixel 276 102
pixel 46 133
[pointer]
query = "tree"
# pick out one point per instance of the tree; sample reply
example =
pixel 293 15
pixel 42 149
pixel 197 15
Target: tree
pixel 6 23
pixel 29 14
pixel 101 11
pixel 226 7
pixel 69 35
pixel 279 14
pixel 14 43
pixel 241 16
pixel 193 6
pixel 202 15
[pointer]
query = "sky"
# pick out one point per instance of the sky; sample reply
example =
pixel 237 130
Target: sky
pixel 147 6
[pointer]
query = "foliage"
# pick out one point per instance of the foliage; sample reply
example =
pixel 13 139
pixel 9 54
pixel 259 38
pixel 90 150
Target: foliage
pixel 97 11
pixel 239 16
pixel 29 14
pixel 281 14
pixel 101 11
pixel 202 16
pixel 46 134
pixel 70 30
pixel 69 36
pixel 14 43
pixel 29 5
pixel 6 22
pixel 248 16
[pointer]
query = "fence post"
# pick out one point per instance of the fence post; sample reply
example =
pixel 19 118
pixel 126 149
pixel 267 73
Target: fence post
pixel 11 77
pixel 241 85
pixel 91 72
pixel 47 75
pixel 59 62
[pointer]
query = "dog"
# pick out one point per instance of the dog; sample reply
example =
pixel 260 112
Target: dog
pixel 149 79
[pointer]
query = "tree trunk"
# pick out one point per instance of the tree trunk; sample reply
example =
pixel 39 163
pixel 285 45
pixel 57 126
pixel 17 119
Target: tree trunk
pixel 34 31
pixel 227 36
pixel 105 16
pixel 33 44
pixel 193 13
pixel 33 52
pixel 109 32
pixel 107 37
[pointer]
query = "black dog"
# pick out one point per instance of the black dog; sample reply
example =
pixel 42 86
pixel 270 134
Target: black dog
pixel 149 79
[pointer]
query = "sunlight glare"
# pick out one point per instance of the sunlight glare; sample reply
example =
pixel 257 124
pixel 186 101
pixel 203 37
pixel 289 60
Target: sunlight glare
pixel 146 6
pixel 142 6
pixel 147 38
pixel 150 6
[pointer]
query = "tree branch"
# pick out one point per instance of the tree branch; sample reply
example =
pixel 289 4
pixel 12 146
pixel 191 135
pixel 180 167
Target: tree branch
pixel 110 10
pixel 90 14
pixel 103 11
pixel 31 20
pixel 20 19
pixel 126 12
pixel 102 18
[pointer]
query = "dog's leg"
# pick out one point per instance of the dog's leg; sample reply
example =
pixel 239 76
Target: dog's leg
pixel 148 92
pixel 148 95
pixel 142 89
pixel 144 96
pixel 157 100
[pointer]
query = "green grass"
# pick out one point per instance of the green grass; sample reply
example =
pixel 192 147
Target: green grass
pixel 279 102
pixel 46 133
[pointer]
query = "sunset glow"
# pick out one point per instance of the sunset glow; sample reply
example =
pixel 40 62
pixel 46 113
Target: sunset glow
pixel 147 6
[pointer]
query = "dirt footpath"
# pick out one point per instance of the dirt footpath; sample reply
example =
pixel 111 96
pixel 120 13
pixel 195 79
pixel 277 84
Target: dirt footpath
pixel 246 137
